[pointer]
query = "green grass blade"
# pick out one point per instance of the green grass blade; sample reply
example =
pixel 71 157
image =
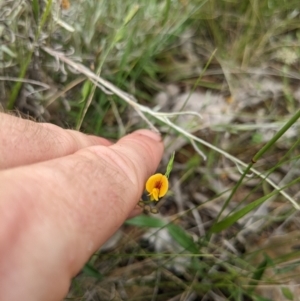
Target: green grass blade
pixel 133 11
pixel 234 190
pixel 183 238
pixel 17 86
pixel 92 272
pixel 258 155
pixel 177 233
pixel 35 9
pixel 287 293
pixel 166 12
pixel 227 222
pixel 44 17
pixel 271 142
pixel 170 165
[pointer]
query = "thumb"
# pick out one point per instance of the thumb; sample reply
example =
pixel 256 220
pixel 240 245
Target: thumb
pixel 116 182
pixel 138 157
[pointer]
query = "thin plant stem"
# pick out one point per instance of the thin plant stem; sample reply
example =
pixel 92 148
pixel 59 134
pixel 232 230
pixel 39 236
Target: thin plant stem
pixel 271 142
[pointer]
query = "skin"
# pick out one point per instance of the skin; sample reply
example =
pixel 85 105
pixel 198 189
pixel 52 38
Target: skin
pixel 62 195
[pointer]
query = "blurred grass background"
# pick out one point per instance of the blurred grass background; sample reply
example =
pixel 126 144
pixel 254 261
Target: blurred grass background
pixel 220 235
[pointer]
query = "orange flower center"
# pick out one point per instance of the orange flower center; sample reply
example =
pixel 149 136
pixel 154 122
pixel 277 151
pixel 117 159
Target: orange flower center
pixel 158 184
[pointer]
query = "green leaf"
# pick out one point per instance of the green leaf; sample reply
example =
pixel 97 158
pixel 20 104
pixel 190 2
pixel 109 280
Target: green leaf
pixel 287 293
pixel 45 16
pixel 85 90
pixel 166 12
pixel 8 51
pixel 176 232
pixel 146 221
pixel 170 165
pixel 182 238
pixel 131 14
pixel 230 220
pixel 35 9
pixel 89 270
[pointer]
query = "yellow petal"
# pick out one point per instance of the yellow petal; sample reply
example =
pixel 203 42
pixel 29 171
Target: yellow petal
pixel 164 186
pixel 157 186
pixel 155 194
pixel 150 184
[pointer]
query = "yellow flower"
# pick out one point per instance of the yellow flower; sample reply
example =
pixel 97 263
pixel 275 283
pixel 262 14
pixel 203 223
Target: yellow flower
pixel 157 186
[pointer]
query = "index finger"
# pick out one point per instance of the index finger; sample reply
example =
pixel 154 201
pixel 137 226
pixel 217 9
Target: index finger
pixel 25 142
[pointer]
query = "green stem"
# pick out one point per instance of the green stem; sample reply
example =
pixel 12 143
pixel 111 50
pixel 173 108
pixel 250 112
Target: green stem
pixel 257 156
pixel 235 188
pixel 265 148
pixel 17 86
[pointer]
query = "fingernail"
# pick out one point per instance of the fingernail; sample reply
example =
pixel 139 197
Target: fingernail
pixel 151 134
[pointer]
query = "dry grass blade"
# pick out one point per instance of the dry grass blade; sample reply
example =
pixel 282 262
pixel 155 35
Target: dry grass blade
pixel 142 110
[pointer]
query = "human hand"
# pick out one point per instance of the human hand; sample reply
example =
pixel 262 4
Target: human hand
pixel 62 195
